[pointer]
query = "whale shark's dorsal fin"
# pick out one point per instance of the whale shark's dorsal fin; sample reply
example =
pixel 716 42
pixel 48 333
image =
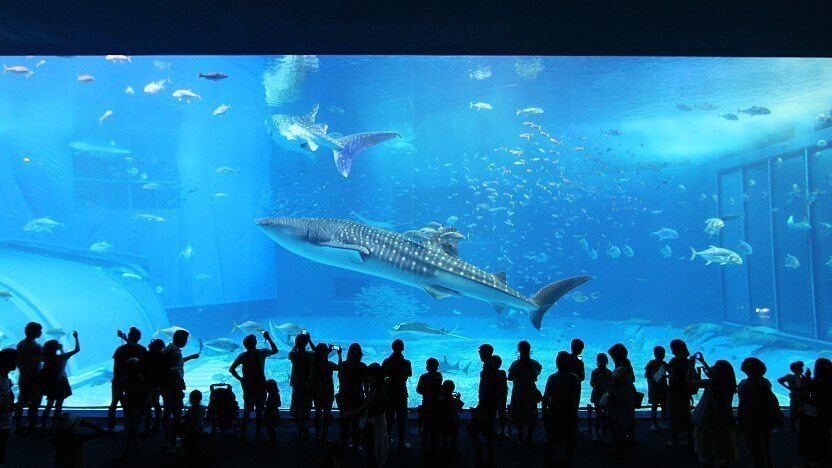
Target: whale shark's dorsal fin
pixel 323 127
pixel 313 114
pixel 500 276
pixel 439 292
pixel 499 307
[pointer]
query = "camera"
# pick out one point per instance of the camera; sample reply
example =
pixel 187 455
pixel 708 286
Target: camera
pixel 455 395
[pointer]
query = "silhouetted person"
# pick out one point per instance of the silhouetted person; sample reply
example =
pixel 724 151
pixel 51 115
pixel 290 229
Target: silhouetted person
pixel 502 395
pixel 561 399
pixel 301 404
pixel 323 388
pixel 253 381
pixel 52 379
pixel 29 360
pixel 756 411
pixel 397 370
pixel 450 405
pixel 155 372
pixel 173 391
pixel 271 411
pixel 482 417
pixel 352 389
pixel 524 392
pixel 619 407
pixel 796 383
pixel 131 390
pixel 576 364
pixel 656 374
pixel 599 380
pixel 714 428
pixel 129 350
pixel 193 429
pixel 430 387
pixel 374 424
pixel 8 363
pixel 679 391
pixel 816 422
pixel 69 439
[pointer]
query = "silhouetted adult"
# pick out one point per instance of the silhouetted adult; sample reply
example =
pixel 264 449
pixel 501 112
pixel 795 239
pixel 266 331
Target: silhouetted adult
pixel 679 391
pixel 714 429
pixel 816 421
pixel 561 398
pixel 53 382
pixel 8 363
pixel 397 370
pixel 173 392
pixel 29 360
pixel 253 380
pixel 375 423
pixel 131 390
pixel 430 387
pixel 618 404
pixel 323 388
pixel 576 364
pixel 155 372
pixel 130 349
pixel 301 404
pixel 482 417
pixel 524 392
pixel 352 389
pixel 757 411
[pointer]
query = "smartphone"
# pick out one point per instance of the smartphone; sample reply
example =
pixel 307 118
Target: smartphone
pixel 303 332
pixel 336 347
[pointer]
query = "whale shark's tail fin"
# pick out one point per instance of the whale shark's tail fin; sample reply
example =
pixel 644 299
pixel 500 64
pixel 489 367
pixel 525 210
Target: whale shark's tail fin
pixel 351 145
pixel 549 294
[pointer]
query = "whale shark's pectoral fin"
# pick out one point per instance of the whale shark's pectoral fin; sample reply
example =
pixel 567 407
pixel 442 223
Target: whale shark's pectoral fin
pixel 499 276
pixel 311 145
pixel 440 292
pixel 499 307
pixel 355 253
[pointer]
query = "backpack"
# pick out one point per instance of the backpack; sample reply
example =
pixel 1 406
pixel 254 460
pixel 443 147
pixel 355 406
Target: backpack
pixel 223 408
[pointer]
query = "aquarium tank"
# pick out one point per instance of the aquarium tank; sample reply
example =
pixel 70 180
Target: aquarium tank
pixel 446 201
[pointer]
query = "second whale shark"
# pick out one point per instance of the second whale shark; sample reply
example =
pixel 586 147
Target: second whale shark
pixel 301 133
pixel 387 254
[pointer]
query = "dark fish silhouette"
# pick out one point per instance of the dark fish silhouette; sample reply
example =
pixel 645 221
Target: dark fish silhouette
pixel 213 76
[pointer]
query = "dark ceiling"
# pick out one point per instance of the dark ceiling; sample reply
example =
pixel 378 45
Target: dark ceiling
pixel 580 27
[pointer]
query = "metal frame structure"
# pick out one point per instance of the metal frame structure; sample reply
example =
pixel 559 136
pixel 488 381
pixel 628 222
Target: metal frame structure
pixel 742 168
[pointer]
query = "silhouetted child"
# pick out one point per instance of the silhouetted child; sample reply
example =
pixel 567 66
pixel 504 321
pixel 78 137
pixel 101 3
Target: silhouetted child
pixel 271 412
pixel 599 380
pixel 656 374
pixel 69 440
pixel 131 391
pixel 449 407
pixel 797 385
pixel 52 379
pixel 430 387
pixel 502 397
pixel 8 363
pixel 193 427
pixel 155 374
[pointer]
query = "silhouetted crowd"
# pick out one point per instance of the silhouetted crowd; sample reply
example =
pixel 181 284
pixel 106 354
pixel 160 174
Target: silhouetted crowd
pixel 149 385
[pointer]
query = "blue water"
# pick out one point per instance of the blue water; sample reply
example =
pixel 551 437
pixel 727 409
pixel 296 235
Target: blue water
pixel 168 194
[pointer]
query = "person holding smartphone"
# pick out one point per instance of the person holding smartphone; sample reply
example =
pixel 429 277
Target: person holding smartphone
pixel 253 380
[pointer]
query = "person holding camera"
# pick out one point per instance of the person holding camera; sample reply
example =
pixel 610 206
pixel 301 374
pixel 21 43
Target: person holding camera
pixel 323 387
pixel 129 350
pixel 253 380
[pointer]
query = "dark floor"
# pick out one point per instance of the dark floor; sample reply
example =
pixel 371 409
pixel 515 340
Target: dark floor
pixel 649 451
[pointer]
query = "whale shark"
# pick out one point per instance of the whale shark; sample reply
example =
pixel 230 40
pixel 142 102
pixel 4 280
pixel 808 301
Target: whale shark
pixel 302 134
pixel 388 254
